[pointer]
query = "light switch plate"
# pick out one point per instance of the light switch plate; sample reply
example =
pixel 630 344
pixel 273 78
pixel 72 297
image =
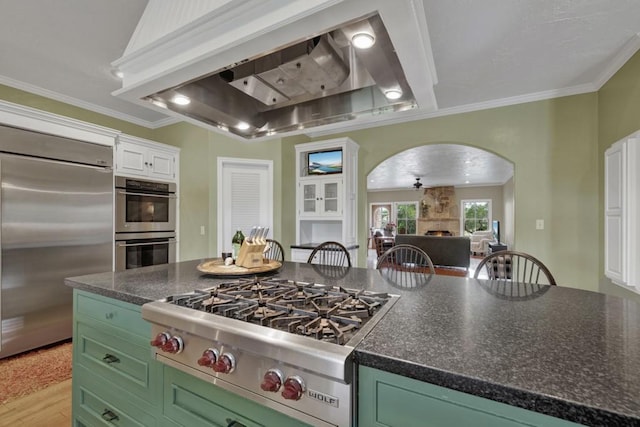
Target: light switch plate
pixel 539 224
pixel 202 230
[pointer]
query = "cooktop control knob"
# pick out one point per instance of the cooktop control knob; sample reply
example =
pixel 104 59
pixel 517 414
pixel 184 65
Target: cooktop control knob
pixel 272 380
pixel 225 364
pixel 160 339
pixel 209 357
pixel 173 345
pixel 293 388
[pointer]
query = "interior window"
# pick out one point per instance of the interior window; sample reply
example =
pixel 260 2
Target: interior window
pixel 477 216
pixel 406 217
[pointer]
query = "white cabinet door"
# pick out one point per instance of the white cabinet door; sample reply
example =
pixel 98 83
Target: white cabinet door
pixel 331 198
pixel 142 159
pixel 161 164
pixel 131 159
pixel 321 197
pixel 614 168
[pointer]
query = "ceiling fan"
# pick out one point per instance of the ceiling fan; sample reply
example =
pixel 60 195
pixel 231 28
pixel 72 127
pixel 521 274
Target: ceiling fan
pixel 417 184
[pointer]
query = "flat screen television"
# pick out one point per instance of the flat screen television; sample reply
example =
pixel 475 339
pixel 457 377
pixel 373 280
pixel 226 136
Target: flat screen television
pixel 495 225
pixel 324 162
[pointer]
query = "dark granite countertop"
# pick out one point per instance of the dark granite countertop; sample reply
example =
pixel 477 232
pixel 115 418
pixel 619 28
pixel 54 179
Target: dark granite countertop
pixel 564 352
pixel 313 246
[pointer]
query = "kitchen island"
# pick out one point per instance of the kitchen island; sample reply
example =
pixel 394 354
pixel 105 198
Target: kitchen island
pixel 566 353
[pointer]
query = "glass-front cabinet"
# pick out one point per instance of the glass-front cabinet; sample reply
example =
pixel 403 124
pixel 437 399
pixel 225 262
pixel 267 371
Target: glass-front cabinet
pixel 321 197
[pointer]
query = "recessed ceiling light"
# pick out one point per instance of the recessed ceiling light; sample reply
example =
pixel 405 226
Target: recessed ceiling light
pixel 467 162
pixel 467 174
pixel 242 126
pixel 363 40
pixel 271 132
pixel 180 100
pixel 466 182
pixel 223 127
pixel 393 93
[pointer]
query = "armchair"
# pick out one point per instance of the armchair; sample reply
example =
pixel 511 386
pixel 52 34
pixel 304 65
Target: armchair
pixel 480 241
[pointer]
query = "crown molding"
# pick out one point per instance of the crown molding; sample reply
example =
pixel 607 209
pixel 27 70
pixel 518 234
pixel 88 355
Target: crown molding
pixel 37 120
pixel 37 90
pixel 414 115
pixel 619 59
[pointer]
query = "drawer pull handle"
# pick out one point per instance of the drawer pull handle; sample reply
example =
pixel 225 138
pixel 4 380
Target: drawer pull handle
pixel 234 423
pixel 110 358
pixel 109 315
pixel 107 415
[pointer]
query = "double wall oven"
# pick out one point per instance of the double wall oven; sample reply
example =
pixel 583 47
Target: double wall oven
pixel 145 223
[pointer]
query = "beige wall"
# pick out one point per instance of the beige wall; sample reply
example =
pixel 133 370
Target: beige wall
pixel 199 154
pixel 553 146
pixel 618 116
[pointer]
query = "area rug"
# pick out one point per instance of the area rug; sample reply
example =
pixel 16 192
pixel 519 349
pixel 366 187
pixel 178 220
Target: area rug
pixel 35 370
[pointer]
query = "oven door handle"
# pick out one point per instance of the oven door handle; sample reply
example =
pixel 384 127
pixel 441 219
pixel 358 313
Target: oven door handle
pixel 129 193
pixel 127 245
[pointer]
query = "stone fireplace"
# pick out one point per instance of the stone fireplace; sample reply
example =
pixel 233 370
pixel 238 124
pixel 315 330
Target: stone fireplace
pixel 439 212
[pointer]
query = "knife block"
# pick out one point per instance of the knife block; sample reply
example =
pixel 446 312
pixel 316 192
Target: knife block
pixel 250 254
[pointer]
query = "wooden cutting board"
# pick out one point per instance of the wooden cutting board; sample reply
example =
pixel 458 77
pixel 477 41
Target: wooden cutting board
pixel 216 267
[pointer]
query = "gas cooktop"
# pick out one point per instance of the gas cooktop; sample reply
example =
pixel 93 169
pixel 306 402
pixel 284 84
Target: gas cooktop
pixel 327 313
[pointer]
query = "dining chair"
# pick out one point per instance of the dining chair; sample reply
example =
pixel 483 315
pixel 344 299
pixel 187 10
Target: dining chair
pixel 515 267
pixel 330 253
pixel 274 250
pixel 406 258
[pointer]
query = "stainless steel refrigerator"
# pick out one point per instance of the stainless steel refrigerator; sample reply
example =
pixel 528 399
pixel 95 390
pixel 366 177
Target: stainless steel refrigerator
pixel 56 207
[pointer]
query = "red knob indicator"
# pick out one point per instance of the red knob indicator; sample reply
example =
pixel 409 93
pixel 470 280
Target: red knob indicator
pixel 160 339
pixel 173 345
pixel 272 381
pixel 208 358
pixel 293 388
pixel 225 364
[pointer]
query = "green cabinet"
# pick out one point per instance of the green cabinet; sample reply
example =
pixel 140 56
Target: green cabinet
pixel 196 403
pixel 389 400
pixel 116 381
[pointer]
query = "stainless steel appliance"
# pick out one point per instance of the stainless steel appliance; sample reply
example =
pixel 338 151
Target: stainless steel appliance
pixel 56 217
pixel 284 344
pixel 135 250
pixel 143 205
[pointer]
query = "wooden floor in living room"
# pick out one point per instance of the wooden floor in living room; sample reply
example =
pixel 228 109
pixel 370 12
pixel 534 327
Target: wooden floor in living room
pixel 49 407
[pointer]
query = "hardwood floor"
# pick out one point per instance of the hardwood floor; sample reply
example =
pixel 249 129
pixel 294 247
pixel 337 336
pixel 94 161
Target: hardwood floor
pixel 49 407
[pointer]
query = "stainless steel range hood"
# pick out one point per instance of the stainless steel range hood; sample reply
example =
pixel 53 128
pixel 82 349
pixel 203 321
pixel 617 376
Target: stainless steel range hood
pixel 319 79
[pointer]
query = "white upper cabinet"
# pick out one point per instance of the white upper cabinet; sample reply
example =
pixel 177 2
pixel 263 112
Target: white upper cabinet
pixel 622 212
pixel 327 194
pixel 321 197
pixel 138 157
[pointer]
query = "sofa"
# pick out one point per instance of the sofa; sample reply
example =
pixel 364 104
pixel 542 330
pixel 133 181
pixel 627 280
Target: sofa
pixel 444 251
pixel 480 241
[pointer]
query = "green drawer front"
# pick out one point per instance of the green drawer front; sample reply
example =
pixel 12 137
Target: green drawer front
pixel 115 313
pixel 119 359
pixel 192 402
pixel 394 401
pixel 99 405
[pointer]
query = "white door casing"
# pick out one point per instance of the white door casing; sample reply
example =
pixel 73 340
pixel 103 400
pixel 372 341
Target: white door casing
pixel 245 197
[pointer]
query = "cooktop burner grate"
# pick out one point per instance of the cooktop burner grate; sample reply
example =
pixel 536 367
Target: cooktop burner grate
pixel 324 312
